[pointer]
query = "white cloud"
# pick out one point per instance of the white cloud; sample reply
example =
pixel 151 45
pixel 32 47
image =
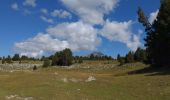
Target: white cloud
pixel 80 35
pixel 39 45
pixel 30 3
pixel 134 43
pixel 14 6
pixel 121 32
pixel 48 20
pixel 44 11
pixel 61 13
pixel 153 16
pixel 91 11
pixel 76 36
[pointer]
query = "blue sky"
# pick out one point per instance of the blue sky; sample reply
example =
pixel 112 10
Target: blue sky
pixel 41 27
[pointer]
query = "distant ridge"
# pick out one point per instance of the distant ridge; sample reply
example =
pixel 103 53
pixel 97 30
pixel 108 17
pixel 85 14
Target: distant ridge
pixel 96 54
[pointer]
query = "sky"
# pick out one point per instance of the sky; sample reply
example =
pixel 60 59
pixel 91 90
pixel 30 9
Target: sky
pixel 43 27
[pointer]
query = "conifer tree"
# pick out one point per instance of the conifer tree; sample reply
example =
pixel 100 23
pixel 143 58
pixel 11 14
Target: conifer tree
pixel 158 35
pixel 129 57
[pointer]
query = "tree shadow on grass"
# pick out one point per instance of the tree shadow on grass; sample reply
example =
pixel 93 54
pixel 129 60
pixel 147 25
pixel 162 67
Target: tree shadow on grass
pixel 152 71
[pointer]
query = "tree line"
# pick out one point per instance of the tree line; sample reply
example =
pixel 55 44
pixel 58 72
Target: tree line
pixel 10 59
pixel 140 55
pixel 66 58
pixel 61 58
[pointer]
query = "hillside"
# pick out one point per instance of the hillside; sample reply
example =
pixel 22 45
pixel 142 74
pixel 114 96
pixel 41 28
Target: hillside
pixel 84 82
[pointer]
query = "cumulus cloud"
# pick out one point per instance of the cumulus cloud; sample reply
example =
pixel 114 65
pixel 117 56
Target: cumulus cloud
pixel 14 6
pixel 57 38
pixel 153 16
pixel 31 3
pixel 61 14
pixel 80 35
pixel 40 44
pixel 44 11
pixel 91 11
pixel 121 32
pixel 48 20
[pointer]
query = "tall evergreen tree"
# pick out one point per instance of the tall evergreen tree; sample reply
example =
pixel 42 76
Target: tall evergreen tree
pixel 140 55
pixel 158 35
pixel 120 59
pixel 8 59
pixel 129 57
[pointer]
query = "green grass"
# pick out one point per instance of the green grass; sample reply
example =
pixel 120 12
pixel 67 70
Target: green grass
pixel 110 84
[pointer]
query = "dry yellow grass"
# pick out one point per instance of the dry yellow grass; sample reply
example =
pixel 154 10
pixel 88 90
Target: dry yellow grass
pixel 71 84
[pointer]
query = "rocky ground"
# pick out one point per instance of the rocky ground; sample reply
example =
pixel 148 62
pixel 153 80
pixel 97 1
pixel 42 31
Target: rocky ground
pixel 16 66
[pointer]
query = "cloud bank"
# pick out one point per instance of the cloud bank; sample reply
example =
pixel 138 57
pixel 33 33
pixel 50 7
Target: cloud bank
pixel 121 32
pixel 91 11
pixel 80 35
pixel 76 36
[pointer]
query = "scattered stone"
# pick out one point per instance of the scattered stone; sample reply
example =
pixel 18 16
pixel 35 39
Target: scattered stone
pixel 74 80
pixel 16 97
pixel 65 80
pixel 55 73
pixel 11 97
pixel 78 89
pixel 91 78
pixel 16 66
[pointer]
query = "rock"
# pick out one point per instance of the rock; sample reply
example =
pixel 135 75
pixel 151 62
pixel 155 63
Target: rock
pixel 91 78
pixel 74 80
pixel 65 80
pixel 55 73
pixel 16 66
pixel 78 89
pixel 16 97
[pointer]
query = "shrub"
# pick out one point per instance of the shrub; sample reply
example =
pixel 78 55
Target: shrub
pixel 80 61
pixel 46 63
pixel 3 61
pixel 63 58
pixel 35 67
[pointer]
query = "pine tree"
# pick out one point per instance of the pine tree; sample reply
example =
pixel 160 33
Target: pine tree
pixel 120 59
pixel 129 57
pixel 158 35
pixel 16 57
pixel 8 60
pixel 3 60
pixel 140 55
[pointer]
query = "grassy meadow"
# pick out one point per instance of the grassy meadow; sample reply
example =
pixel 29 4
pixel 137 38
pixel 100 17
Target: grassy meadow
pixel 91 80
